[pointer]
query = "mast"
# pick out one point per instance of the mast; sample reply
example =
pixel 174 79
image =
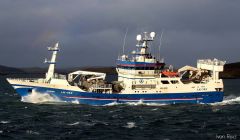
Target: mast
pixel 143 44
pixel 52 63
pixel 160 45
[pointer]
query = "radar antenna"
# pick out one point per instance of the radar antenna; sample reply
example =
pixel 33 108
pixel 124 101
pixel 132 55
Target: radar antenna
pixel 124 41
pixel 160 44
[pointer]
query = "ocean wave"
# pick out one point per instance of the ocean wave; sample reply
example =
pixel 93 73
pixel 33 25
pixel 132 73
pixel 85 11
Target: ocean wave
pixel 140 103
pixel 45 98
pixel 81 123
pixel 130 125
pixel 75 102
pixel 4 122
pixel 31 132
pixel 36 97
pixel 72 124
pixel 229 100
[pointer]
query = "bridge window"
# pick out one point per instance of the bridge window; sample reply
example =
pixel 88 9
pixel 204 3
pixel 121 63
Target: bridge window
pixel 165 82
pixel 143 86
pixel 174 81
pixel 136 68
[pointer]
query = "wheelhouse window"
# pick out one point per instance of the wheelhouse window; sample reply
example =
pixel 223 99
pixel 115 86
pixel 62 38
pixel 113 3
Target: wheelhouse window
pixel 165 82
pixel 136 68
pixel 174 81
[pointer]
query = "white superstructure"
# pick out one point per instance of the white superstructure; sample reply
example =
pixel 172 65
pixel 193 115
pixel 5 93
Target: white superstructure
pixel 143 73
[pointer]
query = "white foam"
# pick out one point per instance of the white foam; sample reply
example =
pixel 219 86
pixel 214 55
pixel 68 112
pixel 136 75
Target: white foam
pixel 130 125
pixel 32 132
pixel 154 104
pixel 72 124
pixel 4 122
pixel 113 104
pixel 144 104
pixel 75 102
pixel 37 97
pixel 87 115
pixel 231 99
pixel 139 103
pixel 81 123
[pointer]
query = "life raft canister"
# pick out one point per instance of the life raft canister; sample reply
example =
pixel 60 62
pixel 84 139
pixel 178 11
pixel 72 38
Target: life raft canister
pixel 170 73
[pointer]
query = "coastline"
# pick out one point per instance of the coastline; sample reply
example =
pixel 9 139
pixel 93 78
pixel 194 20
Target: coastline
pixel 231 71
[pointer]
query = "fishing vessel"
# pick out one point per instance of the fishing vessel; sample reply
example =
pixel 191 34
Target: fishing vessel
pixel 141 78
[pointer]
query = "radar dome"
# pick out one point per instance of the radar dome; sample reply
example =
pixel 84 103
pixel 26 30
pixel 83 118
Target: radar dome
pixel 139 38
pixel 152 34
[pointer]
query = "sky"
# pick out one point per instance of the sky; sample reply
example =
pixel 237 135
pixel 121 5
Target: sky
pixel 91 32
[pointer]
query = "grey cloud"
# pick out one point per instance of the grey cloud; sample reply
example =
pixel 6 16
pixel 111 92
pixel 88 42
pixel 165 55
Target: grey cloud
pixel 91 32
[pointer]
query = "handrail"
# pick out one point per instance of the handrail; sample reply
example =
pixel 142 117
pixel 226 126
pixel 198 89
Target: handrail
pixel 35 80
pixel 211 62
pixel 105 86
pixel 23 79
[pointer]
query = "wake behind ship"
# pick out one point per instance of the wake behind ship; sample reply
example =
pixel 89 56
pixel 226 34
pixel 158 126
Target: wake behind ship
pixel 141 78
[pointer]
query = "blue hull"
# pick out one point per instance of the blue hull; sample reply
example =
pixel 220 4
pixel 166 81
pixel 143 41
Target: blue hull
pixel 103 99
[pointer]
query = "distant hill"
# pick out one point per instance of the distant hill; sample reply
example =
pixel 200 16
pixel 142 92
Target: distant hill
pixel 231 70
pixel 34 70
pixel 4 70
pixel 108 70
pixel 9 70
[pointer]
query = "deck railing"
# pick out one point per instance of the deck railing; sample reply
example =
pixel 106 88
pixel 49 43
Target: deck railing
pixel 105 86
pixel 60 76
pixel 27 79
pixel 212 62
